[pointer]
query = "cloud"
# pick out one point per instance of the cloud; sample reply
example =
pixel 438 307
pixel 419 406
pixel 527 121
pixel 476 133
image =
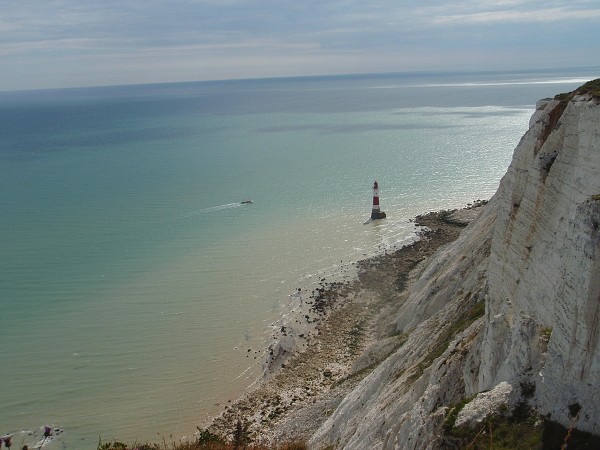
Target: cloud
pixel 512 16
pixel 240 38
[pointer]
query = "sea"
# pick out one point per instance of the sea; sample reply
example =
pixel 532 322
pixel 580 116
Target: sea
pixel 138 293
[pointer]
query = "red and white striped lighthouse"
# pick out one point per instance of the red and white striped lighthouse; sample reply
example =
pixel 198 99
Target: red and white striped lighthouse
pixel 376 213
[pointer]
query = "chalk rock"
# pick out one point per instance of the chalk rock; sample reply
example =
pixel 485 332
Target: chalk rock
pixel 484 404
pixel 544 268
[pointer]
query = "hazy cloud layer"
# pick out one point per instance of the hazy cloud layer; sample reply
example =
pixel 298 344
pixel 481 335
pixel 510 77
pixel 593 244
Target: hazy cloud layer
pixel 70 43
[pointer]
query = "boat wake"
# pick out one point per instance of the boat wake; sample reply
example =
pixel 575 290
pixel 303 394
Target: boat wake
pixel 208 210
pixel 218 208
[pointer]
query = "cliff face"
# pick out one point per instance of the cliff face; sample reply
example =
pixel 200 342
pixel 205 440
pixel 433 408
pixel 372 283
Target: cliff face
pixel 544 269
pixel 532 257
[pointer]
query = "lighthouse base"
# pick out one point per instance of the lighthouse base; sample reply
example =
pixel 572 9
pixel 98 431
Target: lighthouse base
pixel 377 215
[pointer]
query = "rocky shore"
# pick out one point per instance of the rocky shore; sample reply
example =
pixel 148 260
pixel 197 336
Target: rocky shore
pixel 353 333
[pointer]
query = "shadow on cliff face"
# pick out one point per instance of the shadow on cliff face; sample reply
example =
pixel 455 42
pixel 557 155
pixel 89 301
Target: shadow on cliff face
pixel 557 437
pixel 520 429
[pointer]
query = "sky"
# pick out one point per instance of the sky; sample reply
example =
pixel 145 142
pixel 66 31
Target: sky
pixel 72 43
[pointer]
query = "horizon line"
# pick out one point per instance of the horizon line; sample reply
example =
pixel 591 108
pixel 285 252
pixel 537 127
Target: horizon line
pixel 317 76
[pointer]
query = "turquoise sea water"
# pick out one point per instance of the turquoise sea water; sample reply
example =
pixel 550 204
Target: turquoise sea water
pixel 133 283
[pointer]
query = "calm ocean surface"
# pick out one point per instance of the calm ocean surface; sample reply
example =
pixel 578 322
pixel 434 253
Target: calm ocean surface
pixel 132 280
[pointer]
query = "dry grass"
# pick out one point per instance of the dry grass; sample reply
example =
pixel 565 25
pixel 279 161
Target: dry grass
pixel 197 446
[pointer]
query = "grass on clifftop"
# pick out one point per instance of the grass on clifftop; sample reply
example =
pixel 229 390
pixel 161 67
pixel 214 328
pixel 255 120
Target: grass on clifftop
pixel 591 87
pixel 196 446
pixel 206 440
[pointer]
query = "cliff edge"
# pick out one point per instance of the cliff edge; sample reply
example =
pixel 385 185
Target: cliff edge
pixel 506 314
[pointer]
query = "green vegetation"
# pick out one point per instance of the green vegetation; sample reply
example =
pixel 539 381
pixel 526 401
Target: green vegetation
pixel 520 429
pixel 527 389
pixel 452 414
pixel 591 87
pixel 206 437
pixel 359 375
pixel 545 334
pixel 563 96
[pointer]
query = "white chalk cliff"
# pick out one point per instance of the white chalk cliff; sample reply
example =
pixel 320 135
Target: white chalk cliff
pixel 532 257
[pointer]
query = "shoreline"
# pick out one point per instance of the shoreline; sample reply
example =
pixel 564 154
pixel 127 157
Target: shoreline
pixel 310 369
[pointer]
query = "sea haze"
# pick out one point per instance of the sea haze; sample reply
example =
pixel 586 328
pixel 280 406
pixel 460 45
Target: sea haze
pixel 138 294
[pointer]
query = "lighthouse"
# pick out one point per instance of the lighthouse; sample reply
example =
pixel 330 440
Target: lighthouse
pixel 376 213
